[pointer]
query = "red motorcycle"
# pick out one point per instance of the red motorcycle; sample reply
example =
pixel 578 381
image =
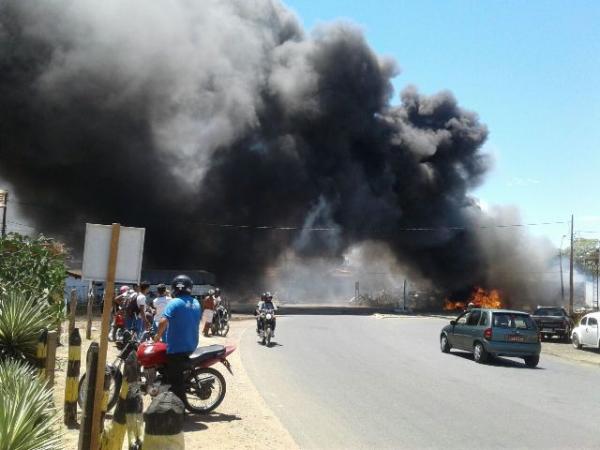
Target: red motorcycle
pixel 205 386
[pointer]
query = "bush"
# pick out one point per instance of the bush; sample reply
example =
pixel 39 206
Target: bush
pixel 27 417
pixel 35 266
pixel 22 318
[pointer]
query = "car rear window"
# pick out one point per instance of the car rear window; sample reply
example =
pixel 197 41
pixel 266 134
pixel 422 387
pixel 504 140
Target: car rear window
pixel 508 320
pixel 548 312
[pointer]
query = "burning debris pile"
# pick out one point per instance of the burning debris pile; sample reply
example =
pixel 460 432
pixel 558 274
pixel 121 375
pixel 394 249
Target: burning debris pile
pixel 480 298
pixel 234 137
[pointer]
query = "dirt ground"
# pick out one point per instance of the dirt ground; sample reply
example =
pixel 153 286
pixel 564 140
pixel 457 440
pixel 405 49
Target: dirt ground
pixel 242 421
pixel 568 352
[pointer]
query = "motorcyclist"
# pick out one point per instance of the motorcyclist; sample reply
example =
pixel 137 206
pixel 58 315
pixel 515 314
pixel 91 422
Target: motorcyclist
pixel 181 321
pixel 217 297
pixel 265 304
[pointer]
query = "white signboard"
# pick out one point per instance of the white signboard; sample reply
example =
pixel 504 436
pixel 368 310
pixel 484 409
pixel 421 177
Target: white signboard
pixel 97 248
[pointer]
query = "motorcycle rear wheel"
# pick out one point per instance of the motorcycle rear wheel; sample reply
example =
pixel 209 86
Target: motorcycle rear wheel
pixel 113 390
pixel 205 389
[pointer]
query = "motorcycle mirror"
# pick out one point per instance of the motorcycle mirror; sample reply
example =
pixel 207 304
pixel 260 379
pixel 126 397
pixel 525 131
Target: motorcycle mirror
pixel 453 322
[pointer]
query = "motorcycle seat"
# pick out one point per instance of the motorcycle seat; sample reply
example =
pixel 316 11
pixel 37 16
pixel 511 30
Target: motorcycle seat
pixel 208 352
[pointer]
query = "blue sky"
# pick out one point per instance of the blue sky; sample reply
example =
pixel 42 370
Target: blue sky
pixel 530 69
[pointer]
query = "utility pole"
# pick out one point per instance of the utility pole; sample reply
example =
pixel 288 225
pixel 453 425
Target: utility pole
pixel 4 206
pixel 571 270
pixel 597 275
pixel 562 283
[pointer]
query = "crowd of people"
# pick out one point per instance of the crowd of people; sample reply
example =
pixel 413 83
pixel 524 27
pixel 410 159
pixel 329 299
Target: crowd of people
pixel 142 310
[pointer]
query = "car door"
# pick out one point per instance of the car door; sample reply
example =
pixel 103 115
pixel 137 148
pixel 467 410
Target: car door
pixel 591 332
pixel 457 334
pixel 472 329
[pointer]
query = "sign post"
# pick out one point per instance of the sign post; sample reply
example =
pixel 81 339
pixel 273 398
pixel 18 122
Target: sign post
pixel 111 254
pixel 109 289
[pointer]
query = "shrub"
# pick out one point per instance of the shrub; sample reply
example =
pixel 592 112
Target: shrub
pixel 22 318
pixel 35 266
pixel 27 417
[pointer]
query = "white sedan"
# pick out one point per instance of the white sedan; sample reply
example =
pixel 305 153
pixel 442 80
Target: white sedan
pixel 587 332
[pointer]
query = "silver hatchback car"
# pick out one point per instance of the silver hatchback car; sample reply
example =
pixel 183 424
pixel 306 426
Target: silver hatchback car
pixel 493 332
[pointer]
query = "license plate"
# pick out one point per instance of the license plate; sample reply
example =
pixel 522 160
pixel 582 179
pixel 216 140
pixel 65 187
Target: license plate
pixel 515 338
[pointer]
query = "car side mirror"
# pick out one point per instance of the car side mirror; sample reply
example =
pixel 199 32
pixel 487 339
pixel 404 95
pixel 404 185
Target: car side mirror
pixel 453 322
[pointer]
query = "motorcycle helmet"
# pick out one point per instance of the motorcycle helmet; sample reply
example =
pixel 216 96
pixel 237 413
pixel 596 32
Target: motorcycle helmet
pixel 182 284
pixel 211 292
pixel 268 296
pixel 217 292
pixel 123 289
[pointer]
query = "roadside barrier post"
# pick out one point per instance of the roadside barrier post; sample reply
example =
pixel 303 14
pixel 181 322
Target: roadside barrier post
pixel 88 326
pixel 51 344
pixel 72 310
pixel 114 435
pixel 72 384
pixel 164 423
pixel 85 433
pixel 134 403
pixel 105 398
pixel 40 353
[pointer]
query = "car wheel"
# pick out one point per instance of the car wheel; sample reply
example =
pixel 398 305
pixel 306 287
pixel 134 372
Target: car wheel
pixel 444 344
pixel 479 353
pixel 532 361
pixel 575 342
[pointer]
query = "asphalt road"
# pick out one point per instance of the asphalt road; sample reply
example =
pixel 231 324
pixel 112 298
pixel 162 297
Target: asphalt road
pixel 361 382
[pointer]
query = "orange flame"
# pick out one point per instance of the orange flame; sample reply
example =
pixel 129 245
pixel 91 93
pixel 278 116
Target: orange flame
pixel 480 299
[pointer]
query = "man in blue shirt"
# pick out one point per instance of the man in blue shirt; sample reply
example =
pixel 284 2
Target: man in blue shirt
pixel 181 320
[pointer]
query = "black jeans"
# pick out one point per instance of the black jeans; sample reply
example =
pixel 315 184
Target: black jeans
pixel 176 363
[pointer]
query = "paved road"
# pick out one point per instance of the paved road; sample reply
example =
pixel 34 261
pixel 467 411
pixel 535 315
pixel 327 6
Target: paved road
pixel 361 382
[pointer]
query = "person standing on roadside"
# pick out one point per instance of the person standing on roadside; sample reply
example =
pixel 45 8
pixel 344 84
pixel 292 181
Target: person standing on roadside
pixel 160 303
pixel 142 322
pixel 181 322
pixel 131 308
pixel 209 311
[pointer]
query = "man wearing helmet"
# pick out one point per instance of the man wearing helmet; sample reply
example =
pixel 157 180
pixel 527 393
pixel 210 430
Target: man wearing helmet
pixel 181 321
pixel 265 304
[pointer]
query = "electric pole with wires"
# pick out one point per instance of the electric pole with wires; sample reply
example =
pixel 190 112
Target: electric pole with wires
pixel 4 206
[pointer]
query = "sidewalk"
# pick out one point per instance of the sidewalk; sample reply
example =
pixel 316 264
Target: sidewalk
pixel 242 421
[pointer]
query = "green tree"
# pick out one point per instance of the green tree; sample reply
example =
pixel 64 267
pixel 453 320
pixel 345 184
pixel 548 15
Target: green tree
pixel 33 266
pixel 585 255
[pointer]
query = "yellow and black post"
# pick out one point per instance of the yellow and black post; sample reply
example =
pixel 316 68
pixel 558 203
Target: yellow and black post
pixel 72 385
pixel 105 394
pixel 134 403
pixel 114 435
pixel 40 353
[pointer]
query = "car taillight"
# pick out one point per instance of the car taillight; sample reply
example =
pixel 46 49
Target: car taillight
pixel 487 334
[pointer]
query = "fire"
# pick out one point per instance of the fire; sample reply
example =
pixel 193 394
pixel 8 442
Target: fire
pixel 480 298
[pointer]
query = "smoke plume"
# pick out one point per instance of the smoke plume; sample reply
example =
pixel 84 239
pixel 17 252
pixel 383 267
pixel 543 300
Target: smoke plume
pixel 179 115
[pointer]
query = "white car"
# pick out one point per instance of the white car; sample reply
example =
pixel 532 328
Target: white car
pixel 587 332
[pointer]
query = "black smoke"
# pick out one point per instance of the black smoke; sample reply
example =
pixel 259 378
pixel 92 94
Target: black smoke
pixel 177 115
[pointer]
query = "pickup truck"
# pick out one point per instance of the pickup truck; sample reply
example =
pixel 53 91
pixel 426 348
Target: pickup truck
pixel 553 321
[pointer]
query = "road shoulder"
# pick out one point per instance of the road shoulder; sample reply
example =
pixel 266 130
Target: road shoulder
pixel 242 421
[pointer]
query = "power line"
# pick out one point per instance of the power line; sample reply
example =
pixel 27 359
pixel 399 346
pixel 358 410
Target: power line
pixel 297 227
